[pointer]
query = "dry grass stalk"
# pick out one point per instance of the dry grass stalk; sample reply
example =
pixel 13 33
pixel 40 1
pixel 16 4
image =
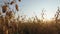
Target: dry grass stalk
pixel 16 6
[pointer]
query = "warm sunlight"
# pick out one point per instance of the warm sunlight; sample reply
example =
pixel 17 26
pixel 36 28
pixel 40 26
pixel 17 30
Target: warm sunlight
pixel 48 17
pixel 29 16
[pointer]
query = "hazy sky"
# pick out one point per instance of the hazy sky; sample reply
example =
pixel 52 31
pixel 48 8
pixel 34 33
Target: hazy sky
pixel 31 7
pixel 36 6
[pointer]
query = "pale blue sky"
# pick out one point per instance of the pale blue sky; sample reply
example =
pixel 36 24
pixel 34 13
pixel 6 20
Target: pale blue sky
pixel 28 7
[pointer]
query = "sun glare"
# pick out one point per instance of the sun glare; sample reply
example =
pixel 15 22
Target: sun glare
pixel 48 17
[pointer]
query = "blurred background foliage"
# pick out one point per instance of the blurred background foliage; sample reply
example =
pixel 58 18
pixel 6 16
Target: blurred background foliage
pixel 11 25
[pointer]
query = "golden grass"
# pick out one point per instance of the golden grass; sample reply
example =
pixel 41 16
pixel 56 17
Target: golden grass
pixel 15 26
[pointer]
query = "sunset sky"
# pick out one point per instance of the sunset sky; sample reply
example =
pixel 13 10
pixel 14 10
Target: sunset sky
pixel 34 7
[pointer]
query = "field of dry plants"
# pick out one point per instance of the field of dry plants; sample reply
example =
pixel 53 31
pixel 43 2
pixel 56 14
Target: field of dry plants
pixel 11 25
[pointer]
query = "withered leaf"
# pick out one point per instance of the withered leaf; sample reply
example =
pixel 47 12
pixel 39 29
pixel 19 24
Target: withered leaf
pixel 16 6
pixel 19 0
pixel 12 2
pixel 0 13
pixel 4 8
